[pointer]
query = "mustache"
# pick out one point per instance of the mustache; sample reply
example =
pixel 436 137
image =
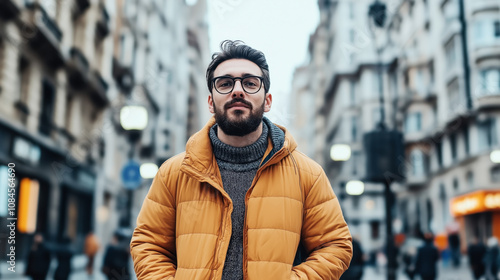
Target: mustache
pixel 238 100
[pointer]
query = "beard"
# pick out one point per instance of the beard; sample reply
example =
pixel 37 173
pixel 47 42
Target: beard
pixel 239 125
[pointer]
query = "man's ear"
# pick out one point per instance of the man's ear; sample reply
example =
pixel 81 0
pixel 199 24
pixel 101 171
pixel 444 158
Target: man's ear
pixel 268 102
pixel 211 104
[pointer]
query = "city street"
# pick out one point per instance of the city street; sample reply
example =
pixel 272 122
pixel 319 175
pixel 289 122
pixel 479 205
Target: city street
pixel 370 273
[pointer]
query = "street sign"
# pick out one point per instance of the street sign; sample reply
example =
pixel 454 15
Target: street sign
pixel 131 175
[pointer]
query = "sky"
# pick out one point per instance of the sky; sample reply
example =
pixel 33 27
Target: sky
pixel 279 28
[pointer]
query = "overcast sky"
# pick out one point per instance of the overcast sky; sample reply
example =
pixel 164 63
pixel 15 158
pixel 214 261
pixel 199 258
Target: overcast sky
pixel 279 28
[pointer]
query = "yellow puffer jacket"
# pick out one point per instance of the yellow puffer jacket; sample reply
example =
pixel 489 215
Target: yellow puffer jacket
pixel 184 226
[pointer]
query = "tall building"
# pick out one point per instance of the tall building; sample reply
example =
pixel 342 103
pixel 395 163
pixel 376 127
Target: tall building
pixel 67 69
pixel 54 78
pixel 449 118
pixel 160 47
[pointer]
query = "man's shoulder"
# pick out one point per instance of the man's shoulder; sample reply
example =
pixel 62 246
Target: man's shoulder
pixel 306 163
pixel 172 164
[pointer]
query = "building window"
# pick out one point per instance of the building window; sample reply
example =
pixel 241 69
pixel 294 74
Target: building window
pixel 375 229
pixel 420 84
pixel 497 29
pixel 352 88
pixel 487 134
pixel 355 158
pixel 354 128
pixel 376 115
pixel 351 10
pixel 439 153
pixel 48 98
pixel 466 140
pixel 417 162
pixel 470 179
pixel 455 184
pixel 495 174
pixel 490 81
pixel 455 101
pixel 453 146
pixel 450 11
pixel 413 122
pixel 451 53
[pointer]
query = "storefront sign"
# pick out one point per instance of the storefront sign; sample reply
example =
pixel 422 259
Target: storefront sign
pixel 476 202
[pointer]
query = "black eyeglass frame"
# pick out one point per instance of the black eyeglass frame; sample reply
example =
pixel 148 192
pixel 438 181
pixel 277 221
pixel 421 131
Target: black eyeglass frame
pixel 241 81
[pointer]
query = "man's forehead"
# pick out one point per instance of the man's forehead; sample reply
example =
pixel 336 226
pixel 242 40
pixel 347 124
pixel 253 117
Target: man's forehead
pixel 237 67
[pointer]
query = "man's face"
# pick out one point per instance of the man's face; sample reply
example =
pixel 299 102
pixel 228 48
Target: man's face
pixel 239 113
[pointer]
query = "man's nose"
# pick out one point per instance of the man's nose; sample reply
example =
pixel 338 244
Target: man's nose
pixel 238 89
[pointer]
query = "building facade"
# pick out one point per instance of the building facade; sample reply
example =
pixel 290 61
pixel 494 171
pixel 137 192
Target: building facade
pixel 54 97
pixel 416 63
pixel 67 68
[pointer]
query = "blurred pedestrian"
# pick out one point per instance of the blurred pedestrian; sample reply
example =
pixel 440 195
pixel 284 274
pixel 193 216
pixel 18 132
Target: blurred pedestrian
pixel 476 251
pixel 116 259
pixel 491 259
pixel 409 259
pixel 427 257
pixel 454 244
pixel 39 257
pixel 380 261
pixel 241 198
pixel 91 248
pixel 355 270
pixel 64 255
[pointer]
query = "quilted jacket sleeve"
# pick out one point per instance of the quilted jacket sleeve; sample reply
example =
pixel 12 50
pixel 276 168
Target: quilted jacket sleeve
pixel 325 234
pixel 153 242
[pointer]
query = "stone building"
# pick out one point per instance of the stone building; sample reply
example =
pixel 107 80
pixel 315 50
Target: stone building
pixel 449 132
pixel 67 68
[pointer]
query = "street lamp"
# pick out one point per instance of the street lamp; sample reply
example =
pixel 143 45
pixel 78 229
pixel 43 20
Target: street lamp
pixel 495 156
pixel 384 149
pixel 148 170
pixel 355 187
pixel 340 152
pixel 133 119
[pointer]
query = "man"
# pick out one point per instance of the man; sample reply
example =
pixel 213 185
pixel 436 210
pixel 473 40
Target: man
pixel 427 258
pixel 476 252
pixel 241 198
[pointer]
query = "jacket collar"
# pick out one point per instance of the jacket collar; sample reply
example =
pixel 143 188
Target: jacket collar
pixel 200 162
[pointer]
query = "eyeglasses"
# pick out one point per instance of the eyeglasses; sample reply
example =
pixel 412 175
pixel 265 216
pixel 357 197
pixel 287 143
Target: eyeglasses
pixel 225 84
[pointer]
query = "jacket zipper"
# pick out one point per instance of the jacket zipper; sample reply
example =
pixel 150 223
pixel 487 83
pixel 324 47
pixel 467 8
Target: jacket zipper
pixel 245 226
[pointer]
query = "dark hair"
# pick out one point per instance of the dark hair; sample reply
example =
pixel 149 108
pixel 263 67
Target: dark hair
pixel 238 49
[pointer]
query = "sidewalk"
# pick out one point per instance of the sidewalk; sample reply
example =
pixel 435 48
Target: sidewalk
pixel 370 273
pixel 444 273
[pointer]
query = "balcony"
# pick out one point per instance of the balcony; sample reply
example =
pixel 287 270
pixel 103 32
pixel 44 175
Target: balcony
pixel 415 182
pixel 10 9
pixel 487 50
pixel 484 6
pixel 487 101
pixel 426 95
pixel 102 26
pixel 99 88
pixel 46 36
pixel 78 68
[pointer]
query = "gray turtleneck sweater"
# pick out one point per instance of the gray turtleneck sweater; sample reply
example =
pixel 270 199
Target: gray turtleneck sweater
pixel 238 167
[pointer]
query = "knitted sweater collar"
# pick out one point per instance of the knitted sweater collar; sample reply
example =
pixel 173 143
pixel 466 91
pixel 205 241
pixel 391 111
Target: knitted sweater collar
pixel 239 155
